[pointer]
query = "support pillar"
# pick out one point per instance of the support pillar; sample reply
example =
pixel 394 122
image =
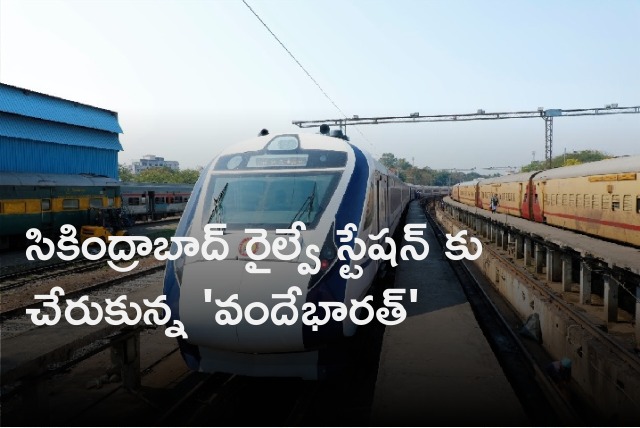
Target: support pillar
pixel 611 298
pixel 554 266
pixel 125 354
pixel 505 239
pixel 528 252
pixel 539 258
pixel 566 272
pixel 585 284
pixel 519 246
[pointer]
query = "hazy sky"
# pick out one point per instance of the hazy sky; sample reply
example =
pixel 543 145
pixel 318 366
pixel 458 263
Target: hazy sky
pixel 188 78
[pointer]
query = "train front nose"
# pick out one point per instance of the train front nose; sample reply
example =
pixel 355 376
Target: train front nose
pixel 229 277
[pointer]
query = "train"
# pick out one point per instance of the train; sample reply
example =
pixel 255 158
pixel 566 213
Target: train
pixel 600 199
pixel 48 201
pixel 152 201
pixel 269 182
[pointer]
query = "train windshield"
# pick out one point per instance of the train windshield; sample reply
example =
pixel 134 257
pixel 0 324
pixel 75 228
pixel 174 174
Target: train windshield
pixel 268 201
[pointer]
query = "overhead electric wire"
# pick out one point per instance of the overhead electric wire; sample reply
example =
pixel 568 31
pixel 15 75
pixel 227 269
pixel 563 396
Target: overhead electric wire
pixel 304 69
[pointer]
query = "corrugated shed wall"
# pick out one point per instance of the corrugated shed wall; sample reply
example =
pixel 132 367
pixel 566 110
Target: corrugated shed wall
pixel 27 128
pixel 22 155
pixel 44 134
pixel 32 104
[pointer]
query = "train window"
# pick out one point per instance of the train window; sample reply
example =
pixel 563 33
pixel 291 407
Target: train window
pixel 186 199
pixel 271 200
pixel 626 203
pixel 45 205
pixel 110 202
pixel 638 204
pixel 95 202
pixel 177 199
pixel 159 200
pixel 572 200
pixel 579 200
pixel 615 202
pixel 595 199
pixel 606 201
pixel 70 204
pixel 564 200
pixel 134 201
pixel 587 201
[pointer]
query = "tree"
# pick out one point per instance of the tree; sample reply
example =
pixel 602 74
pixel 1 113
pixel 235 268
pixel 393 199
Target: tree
pixel 568 159
pixel 388 160
pixel 125 174
pixel 188 176
pixel 157 175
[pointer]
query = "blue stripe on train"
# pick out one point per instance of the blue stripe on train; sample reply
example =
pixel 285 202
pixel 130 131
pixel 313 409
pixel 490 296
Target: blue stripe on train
pixel 332 286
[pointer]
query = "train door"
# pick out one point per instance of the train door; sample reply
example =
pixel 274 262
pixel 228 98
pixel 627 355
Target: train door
pixel 151 205
pixel 537 201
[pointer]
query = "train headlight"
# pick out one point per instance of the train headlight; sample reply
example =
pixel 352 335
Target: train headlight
pixel 328 255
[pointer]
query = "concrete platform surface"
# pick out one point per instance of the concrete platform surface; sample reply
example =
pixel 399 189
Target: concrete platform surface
pixel 436 367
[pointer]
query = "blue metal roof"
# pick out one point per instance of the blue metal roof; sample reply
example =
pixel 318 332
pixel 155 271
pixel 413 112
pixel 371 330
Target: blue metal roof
pixel 33 179
pixel 33 104
pixel 12 125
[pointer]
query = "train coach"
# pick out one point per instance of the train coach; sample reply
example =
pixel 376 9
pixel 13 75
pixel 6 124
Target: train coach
pixel 598 198
pixel 48 201
pixel 151 201
pixel 270 182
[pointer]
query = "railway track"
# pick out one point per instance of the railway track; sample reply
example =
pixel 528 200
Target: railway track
pixel 20 311
pixel 542 400
pixel 39 273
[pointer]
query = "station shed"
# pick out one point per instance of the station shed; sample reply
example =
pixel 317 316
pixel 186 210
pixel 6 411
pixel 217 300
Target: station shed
pixel 45 134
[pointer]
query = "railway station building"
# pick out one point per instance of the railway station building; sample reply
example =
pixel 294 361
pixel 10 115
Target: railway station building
pixel 45 134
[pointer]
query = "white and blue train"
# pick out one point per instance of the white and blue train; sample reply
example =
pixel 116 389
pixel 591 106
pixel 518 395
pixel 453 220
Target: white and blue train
pixel 269 182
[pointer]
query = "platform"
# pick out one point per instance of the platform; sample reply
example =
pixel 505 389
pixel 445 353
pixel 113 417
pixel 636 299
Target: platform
pixel 610 253
pixel 436 367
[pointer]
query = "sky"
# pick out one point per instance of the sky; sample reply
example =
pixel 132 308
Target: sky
pixel 189 78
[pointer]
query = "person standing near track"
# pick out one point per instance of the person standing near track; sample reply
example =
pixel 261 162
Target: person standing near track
pixel 494 203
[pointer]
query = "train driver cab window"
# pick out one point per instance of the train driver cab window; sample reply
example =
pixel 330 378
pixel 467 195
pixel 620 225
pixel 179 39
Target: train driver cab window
pixel 70 204
pixel 95 202
pixel 45 204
